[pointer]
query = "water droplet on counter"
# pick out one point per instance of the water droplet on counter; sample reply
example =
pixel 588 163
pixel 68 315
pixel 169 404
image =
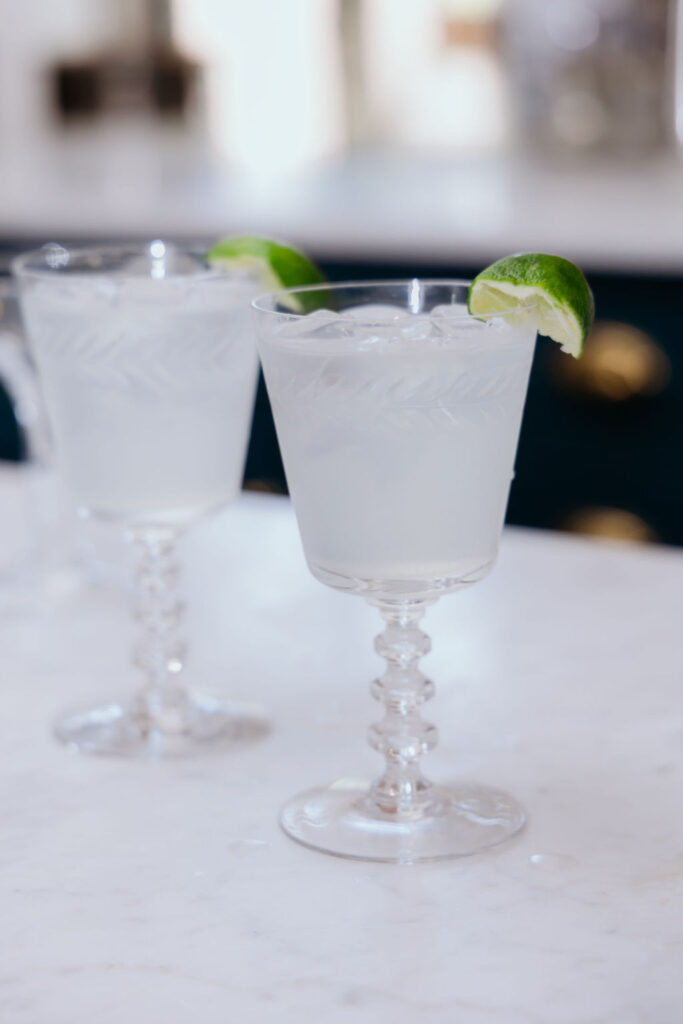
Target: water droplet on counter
pixel 247 845
pixel 553 861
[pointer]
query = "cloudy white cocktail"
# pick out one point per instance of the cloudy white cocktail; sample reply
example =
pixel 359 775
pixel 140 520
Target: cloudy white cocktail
pixel 398 416
pixel 148 366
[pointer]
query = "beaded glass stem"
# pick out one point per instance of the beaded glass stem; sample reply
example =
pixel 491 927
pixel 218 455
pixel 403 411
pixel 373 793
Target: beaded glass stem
pixel 402 737
pixel 402 816
pixel 159 651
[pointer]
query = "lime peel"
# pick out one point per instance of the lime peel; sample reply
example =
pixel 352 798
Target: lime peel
pixel 538 288
pixel 278 264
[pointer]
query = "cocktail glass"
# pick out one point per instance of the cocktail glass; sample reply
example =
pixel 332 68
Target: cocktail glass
pixel 398 416
pixel 148 365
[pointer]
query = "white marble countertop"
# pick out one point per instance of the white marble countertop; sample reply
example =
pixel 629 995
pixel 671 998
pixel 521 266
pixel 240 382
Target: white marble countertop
pixel 145 892
pixel 382 204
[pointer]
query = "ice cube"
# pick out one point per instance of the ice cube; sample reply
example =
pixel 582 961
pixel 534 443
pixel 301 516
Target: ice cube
pixel 416 328
pixel 323 314
pixel 106 288
pixel 379 339
pixel 458 315
pixel 375 312
pixel 370 332
pixel 454 324
pixel 454 310
pixel 322 324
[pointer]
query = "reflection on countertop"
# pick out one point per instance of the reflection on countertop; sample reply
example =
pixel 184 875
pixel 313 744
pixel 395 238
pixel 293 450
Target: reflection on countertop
pixel 379 203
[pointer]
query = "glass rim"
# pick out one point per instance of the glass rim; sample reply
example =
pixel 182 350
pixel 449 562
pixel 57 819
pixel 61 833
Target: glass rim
pixel 19 264
pixel 259 305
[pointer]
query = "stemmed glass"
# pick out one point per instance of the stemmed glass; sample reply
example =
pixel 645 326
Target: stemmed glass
pixel 398 416
pixel 148 366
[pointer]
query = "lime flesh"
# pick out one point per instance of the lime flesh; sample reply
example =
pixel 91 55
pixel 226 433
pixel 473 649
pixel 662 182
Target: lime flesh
pixel 538 288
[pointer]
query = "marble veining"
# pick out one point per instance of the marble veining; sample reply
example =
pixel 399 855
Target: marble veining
pixel 165 891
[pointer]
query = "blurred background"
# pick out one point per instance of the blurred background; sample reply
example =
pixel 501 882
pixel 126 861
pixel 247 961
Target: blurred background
pixel 388 138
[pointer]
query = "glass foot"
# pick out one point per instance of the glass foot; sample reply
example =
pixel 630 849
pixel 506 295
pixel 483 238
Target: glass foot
pixel 125 730
pixel 340 819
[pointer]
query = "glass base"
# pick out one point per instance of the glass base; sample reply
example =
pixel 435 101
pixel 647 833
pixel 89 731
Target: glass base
pixel 340 819
pixel 125 730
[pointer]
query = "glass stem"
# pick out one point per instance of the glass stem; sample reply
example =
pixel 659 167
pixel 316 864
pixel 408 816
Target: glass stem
pixel 159 652
pixel 402 736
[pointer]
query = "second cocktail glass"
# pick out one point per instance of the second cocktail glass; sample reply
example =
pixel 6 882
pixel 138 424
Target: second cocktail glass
pixel 398 416
pixel 148 369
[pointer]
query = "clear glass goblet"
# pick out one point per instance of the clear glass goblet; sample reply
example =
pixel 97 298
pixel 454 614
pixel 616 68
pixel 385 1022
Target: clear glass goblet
pixel 398 416
pixel 147 363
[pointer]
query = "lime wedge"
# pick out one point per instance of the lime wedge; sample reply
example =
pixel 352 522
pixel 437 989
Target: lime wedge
pixel 279 265
pixel 548 291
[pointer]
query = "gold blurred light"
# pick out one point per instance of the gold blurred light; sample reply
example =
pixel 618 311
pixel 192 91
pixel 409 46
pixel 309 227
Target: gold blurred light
pixel 610 523
pixel 619 362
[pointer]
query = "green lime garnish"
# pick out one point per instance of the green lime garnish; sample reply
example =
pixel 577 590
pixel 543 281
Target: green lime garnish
pixel 549 291
pixel 278 265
